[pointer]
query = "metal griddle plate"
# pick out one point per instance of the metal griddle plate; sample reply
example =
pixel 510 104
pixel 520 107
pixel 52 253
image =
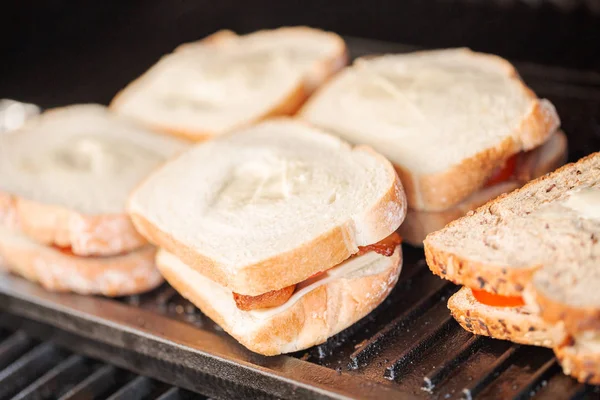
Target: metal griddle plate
pixel 408 347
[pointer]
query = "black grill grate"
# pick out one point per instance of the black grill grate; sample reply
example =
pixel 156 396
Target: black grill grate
pixel 34 370
pixel 408 347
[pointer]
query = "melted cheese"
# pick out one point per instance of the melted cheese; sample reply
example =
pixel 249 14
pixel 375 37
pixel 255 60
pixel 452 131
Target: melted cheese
pixel 222 298
pixel 365 265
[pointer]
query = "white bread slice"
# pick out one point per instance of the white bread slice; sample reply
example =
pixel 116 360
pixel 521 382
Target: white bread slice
pixel 121 275
pixel 517 324
pixel 502 244
pixel 270 205
pixel 66 175
pixel 307 319
pixel 226 81
pixel 445 118
pixel 535 163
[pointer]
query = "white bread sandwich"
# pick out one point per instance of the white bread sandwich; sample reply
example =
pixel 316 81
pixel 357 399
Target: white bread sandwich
pixel 530 263
pixel 460 128
pixel 65 177
pixel 60 270
pixel 227 81
pixel 282 234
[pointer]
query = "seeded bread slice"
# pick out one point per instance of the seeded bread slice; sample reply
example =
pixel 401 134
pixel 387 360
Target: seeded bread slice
pixel 570 293
pixel 517 324
pixel 580 358
pixel 502 244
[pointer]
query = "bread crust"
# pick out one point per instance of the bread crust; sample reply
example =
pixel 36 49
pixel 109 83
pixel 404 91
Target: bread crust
pixel 517 324
pixel 541 160
pixel 576 319
pixel 582 365
pixel 418 224
pixel 85 235
pixel 497 279
pixel 288 106
pixel 315 317
pixel 122 275
pixel 323 252
pixel 440 191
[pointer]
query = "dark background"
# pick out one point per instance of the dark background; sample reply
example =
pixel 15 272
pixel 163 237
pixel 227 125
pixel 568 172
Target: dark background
pixel 56 52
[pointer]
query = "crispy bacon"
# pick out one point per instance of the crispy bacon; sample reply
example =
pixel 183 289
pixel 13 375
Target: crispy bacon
pixel 266 300
pixel 384 247
pixel 276 298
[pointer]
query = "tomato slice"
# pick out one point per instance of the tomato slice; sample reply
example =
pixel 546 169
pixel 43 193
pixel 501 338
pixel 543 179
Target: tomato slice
pixel 505 173
pixel 495 300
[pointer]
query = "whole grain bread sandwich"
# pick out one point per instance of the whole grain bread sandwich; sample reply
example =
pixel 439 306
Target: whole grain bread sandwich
pixel 530 265
pixel 460 128
pixel 282 234
pixel 65 177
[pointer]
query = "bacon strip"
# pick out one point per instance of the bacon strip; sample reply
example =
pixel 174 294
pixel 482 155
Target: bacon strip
pixel 276 298
pixel 384 247
pixel 266 300
pixel 504 173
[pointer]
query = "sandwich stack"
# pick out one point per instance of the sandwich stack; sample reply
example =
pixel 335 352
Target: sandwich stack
pixel 64 180
pixel 460 128
pixel 282 234
pixel 530 263
pixel 227 81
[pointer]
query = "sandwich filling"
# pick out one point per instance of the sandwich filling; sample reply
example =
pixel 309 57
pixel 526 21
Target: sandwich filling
pixel 527 165
pixel 496 300
pixel 275 298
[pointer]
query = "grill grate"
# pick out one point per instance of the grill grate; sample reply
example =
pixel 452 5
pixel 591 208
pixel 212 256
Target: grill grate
pixel 409 346
pixel 33 370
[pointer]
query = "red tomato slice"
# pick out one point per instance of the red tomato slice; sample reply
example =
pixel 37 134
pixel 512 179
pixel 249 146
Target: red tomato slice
pixel 495 300
pixel 505 173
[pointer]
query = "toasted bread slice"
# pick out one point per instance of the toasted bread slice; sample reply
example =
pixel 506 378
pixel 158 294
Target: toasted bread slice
pixel 310 317
pixel 580 357
pixel 227 81
pixel 270 205
pixel 502 244
pixel 62 271
pixel 446 118
pixel 549 156
pixel 66 175
pixel 517 324
pixel 570 292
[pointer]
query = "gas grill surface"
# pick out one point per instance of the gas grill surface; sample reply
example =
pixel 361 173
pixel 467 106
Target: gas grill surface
pixel 409 347
pixel 31 369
